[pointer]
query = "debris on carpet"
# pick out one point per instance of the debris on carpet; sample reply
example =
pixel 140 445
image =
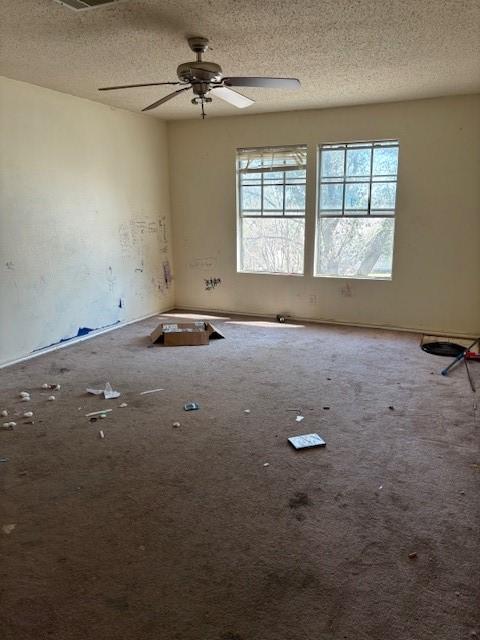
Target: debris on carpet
pixel 97 413
pixel 144 393
pixel 191 406
pixel 107 392
pixel 306 441
pixel 8 528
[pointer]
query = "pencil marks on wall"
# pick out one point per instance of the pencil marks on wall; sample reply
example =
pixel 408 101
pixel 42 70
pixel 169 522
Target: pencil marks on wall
pixel 163 236
pixel 162 227
pixel 111 280
pixel 346 291
pixel 167 274
pixel 203 264
pixel 144 248
pixel 142 239
pixel 124 238
pixel 131 234
pixel 207 263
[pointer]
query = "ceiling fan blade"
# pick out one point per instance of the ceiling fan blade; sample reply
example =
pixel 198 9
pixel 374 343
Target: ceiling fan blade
pixel 166 98
pixel 133 86
pixel 233 97
pixel 267 83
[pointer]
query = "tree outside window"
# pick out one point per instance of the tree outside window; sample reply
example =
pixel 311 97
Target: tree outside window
pixel 356 209
pixel 271 209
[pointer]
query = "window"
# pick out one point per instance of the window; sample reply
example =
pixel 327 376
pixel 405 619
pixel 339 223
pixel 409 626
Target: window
pixel 271 209
pixel 357 185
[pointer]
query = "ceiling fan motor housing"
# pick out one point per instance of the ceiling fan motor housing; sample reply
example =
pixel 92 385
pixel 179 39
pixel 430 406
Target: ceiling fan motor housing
pixel 199 72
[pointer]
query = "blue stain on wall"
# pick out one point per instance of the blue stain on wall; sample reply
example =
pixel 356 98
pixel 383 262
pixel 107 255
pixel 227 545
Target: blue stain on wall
pixel 120 303
pixel 82 331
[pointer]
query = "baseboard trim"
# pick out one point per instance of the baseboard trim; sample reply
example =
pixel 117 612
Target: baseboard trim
pixel 364 325
pixel 99 332
pixel 91 334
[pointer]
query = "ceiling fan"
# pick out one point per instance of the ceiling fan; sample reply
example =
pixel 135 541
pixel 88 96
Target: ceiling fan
pixel 206 79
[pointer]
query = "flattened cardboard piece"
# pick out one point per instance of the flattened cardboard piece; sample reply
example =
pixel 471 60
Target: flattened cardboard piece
pixel 176 334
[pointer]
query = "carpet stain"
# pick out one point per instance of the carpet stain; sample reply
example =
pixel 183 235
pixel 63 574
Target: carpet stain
pixel 309 580
pixel 34 614
pixel 120 604
pixel 300 499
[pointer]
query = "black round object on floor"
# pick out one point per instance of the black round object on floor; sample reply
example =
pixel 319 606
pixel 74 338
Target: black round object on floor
pixel 449 349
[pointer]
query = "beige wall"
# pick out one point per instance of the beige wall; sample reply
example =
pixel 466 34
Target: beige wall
pixel 84 217
pixel 435 285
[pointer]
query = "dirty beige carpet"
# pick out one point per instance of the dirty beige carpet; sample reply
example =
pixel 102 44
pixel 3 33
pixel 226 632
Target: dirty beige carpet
pixel 183 534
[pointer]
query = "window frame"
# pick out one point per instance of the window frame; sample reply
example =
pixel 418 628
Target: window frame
pixel 269 214
pixel 356 214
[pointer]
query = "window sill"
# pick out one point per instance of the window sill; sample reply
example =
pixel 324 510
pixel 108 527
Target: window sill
pixel 372 279
pixel 270 273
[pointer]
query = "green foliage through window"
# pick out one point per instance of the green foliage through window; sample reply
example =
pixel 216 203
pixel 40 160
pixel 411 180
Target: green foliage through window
pixel 357 188
pixel 271 206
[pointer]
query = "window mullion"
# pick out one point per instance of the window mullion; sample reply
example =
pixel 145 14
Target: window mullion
pixel 261 196
pixel 344 179
pixel 370 185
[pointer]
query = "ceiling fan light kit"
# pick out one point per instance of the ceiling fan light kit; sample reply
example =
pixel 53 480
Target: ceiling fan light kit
pixel 206 79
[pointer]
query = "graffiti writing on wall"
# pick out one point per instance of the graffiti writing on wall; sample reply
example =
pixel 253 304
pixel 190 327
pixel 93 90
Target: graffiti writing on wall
pixel 212 283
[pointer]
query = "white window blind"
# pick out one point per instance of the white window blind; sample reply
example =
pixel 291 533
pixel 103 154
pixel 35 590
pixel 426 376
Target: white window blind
pixel 272 159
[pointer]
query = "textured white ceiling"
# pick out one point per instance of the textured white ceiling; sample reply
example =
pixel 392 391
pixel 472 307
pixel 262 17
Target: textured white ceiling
pixel 343 51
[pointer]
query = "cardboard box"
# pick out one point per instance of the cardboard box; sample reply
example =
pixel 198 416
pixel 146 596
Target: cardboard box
pixel 176 334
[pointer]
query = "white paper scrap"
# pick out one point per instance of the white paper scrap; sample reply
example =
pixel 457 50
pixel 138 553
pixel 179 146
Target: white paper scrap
pixel 8 528
pixel 108 392
pixel 144 393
